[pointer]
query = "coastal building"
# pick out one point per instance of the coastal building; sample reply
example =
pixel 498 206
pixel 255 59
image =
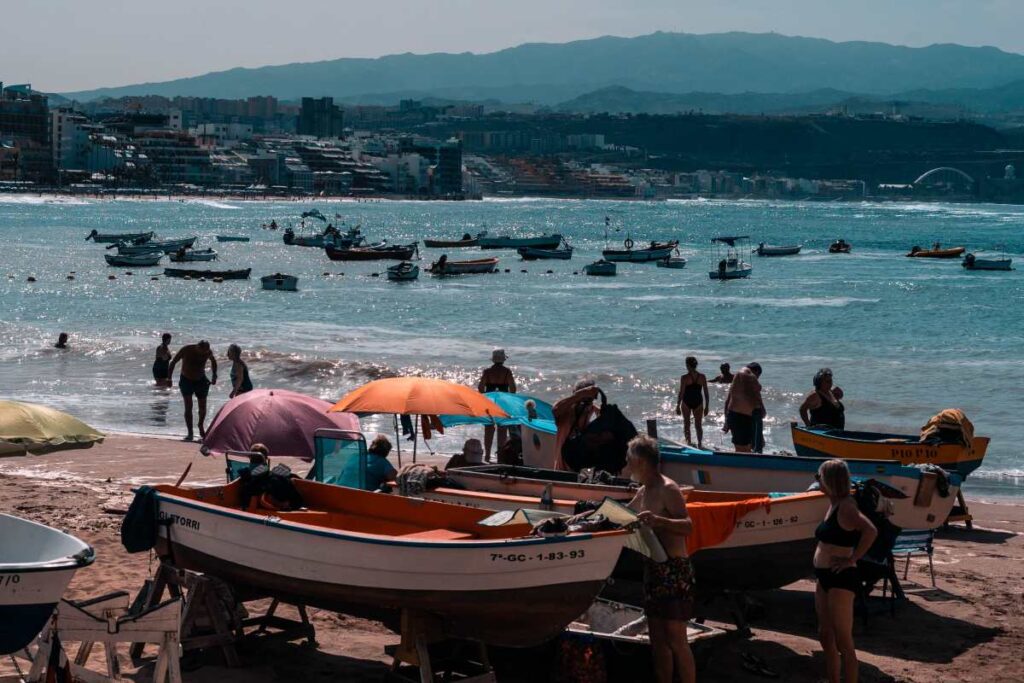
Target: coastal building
pixel 176 159
pixel 71 134
pixel 25 126
pixel 321 118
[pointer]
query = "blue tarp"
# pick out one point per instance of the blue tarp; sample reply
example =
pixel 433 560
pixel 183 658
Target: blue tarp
pixel 515 406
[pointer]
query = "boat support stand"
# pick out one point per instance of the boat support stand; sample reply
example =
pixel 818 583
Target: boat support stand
pixel 419 632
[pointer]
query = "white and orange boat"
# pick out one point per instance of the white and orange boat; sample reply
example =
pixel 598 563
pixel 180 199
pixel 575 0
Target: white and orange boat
pixel 374 555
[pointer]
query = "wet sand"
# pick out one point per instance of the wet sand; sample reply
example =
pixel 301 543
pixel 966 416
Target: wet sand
pixel 969 628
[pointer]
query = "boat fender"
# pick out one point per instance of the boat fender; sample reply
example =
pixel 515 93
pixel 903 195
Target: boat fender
pixel 628 243
pixel 139 527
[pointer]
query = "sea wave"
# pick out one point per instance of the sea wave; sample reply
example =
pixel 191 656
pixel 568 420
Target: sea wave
pixel 36 200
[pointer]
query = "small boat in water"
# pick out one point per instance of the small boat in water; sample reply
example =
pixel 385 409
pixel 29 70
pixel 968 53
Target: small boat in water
pixel 535 254
pixel 397 252
pixel 37 563
pixel 600 268
pixel 350 238
pixel 184 255
pixel 840 247
pixel 775 250
pixel 403 272
pixel 674 262
pixel 467 240
pixel 351 551
pixel 507 242
pixel 136 261
pixel 654 252
pixel 163 246
pixel 232 238
pixel 115 237
pixel 728 258
pixel 974 262
pixel 936 252
pixel 823 442
pixel 443 267
pixel 241 274
pixel 280 282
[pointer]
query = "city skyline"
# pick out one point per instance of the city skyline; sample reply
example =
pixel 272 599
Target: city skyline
pixel 119 46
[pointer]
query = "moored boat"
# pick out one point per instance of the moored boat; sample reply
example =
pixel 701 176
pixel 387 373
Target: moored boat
pixel 280 282
pixel 654 252
pixel 185 255
pixel 467 240
pixel 840 247
pixel 115 237
pixel 232 238
pixel 351 551
pixel 936 252
pixel 396 252
pixel 674 262
pixel 535 254
pixel 163 246
pixel 815 442
pixel 728 258
pixel 507 242
pixel 600 268
pixel 973 262
pixel 403 272
pixel 444 267
pixel 37 563
pixel 240 274
pixel 331 235
pixel 138 260
pixel 777 250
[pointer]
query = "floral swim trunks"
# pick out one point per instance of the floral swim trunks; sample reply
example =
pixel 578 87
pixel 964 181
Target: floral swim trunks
pixel 668 588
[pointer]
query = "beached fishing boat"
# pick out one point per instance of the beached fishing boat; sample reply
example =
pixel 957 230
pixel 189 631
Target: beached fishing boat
pixel 351 551
pixel 115 237
pixel 163 246
pixel 840 247
pixel 466 241
pixel 137 261
pixel 817 442
pixel 240 274
pixel 600 268
pixel 403 272
pixel 775 250
pixel 728 263
pixel 397 252
pixel 193 255
pixel 37 563
pixel 936 252
pixel 443 267
pixel 535 254
pixel 674 262
pixel 280 282
pixel 232 238
pixel 654 252
pixel 973 262
pixel 507 242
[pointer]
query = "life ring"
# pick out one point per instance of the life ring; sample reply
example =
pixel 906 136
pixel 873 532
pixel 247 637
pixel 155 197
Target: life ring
pixel 628 243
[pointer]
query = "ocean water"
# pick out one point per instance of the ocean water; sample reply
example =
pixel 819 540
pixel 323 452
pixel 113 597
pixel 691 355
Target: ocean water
pixel 905 337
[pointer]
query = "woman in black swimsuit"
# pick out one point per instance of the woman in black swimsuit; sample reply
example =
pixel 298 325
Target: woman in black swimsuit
pixel 823 406
pixel 843 538
pixel 162 361
pixel 693 399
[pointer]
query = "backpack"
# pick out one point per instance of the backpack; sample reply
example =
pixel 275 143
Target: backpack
pixel 602 443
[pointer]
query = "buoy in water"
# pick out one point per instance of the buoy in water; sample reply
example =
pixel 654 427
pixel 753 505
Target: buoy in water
pixel 218 279
pixel 154 278
pixel 327 274
pixel 523 270
pixel 508 270
pixel 374 274
pixel 188 277
pixel 128 272
pixel 71 277
pixel 111 277
pixel 29 279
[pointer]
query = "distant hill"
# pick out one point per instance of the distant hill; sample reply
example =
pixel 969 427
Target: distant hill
pixel 728 63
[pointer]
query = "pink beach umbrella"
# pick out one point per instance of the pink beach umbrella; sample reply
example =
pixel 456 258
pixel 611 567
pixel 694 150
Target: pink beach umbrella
pixel 282 420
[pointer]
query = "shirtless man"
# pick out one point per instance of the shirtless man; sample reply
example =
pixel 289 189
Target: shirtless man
pixel 193 380
pixel 496 378
pixel 668 586
pixel 741 404
pixel 724 375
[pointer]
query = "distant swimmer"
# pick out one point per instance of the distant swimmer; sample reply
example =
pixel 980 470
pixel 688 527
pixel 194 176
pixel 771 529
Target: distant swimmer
pixel 193 381
pixel 724 375
pixel 693 400
pixel 496 378
pixel 824 407
pixel 162 362
pixel 62 341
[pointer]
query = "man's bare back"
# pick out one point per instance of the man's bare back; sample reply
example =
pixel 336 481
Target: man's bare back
pixel 193 361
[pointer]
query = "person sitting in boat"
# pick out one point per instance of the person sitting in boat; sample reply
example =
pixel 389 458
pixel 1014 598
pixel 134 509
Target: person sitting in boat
pixel 472 454
pixel 693 400
pixel 823 407
pixel 379 470
pixel 668 585
pixel 497 377
pixel 259 454
pixel 724 375
pixel 741 404
pixel 843 538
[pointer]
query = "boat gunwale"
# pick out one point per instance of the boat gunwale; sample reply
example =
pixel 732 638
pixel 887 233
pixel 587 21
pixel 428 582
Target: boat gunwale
pixel 982 441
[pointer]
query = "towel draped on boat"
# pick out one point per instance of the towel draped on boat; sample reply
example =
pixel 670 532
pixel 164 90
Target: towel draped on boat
pixel 949 426
pixel 713 523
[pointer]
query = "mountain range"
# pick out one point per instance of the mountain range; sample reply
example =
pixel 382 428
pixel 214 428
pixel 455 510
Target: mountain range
pixel 726 64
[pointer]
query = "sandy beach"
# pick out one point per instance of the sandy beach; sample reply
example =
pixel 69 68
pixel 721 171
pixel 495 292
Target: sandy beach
pixel 969 628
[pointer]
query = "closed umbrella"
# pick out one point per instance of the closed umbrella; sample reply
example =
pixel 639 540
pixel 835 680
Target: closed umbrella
pixel 32 428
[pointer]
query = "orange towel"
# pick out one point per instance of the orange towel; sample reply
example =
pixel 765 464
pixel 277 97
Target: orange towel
pixel 713 523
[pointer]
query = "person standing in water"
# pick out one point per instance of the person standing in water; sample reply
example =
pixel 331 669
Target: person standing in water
pixel 193 381
pixel 693 400
pixel 668 585
pixel 240 381
pixel 496 378
pixel 162 362
pixel 742 404
pixel 724 375
pixel 62 341
pixel 824 405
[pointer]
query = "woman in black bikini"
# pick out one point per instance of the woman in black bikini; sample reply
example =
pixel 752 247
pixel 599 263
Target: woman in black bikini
pixel 823 406
pixel 693 399
pixel 843 538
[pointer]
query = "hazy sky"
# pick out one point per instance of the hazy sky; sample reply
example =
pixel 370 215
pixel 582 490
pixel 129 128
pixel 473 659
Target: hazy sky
pixel 61 45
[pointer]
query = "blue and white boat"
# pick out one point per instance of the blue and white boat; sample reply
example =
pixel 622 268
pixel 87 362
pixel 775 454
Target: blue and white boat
pixel 37 563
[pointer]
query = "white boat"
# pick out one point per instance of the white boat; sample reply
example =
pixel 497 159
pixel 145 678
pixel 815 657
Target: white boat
pixel 163 246
pixel 403 272
pixel 137 261
pixel 974 262
pixel 37 563
pixel 675 262
pixel 115 237
pixel 443 267
pixel 600 268
pixel 653 252
pixel 193 255
pixel 728 261
pixel 777 250
pixel 280 282
pixel 376 555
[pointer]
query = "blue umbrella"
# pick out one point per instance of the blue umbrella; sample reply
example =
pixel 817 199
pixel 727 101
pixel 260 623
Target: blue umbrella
pixel 515 406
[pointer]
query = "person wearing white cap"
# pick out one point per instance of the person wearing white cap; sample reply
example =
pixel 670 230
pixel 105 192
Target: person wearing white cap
pixel 496 378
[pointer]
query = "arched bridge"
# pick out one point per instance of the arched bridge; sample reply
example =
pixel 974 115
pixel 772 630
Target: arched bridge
pixel 945 174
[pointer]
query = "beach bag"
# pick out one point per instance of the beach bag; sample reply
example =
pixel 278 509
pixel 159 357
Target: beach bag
pixel 139 527
pixel 602 443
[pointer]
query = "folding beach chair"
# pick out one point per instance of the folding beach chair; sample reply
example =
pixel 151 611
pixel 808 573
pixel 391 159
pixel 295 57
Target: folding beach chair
pixel 916 542
pixel 339 458
pixel 237 461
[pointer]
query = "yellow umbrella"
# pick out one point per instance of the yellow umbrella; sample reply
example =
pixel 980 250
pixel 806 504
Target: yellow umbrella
pixel 32 428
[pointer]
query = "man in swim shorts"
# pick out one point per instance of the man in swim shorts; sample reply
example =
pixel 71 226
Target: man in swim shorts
pixel 743 405
pixel 193 382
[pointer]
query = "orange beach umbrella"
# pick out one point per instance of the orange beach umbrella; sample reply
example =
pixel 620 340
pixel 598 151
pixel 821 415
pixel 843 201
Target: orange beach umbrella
pixel 417 396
